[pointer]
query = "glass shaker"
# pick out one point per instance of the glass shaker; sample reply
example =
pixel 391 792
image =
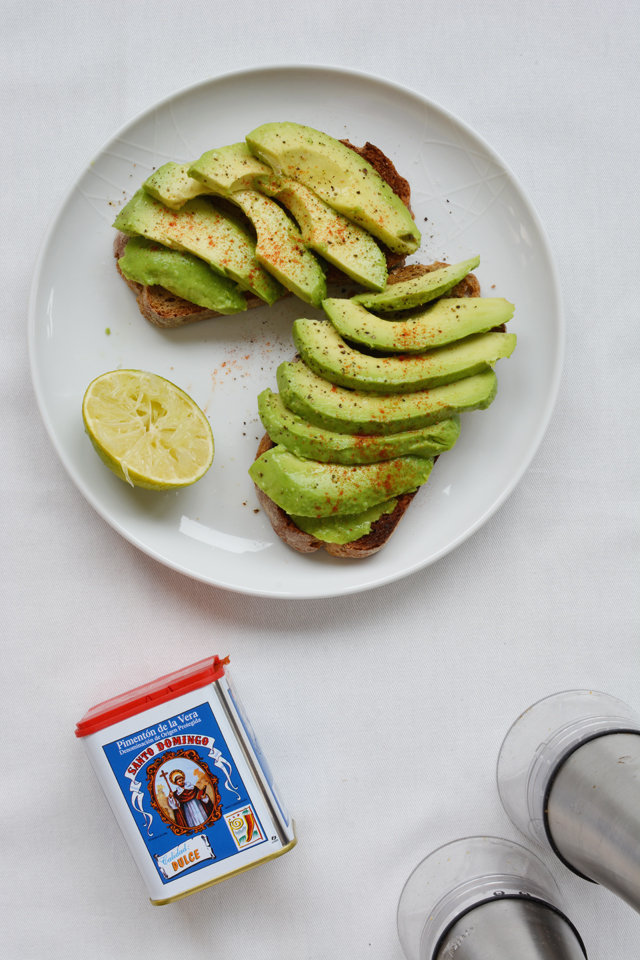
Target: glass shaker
pixel 481 898
pixel 569 778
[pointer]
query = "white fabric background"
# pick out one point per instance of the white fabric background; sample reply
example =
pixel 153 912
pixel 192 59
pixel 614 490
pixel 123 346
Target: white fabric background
pixel 414 684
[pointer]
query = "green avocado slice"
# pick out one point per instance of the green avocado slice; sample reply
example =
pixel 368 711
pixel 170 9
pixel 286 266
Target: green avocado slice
pixel 201 229
pixel 230 172
pixel 340 177
pixel 413 293
pixel 313 443
pixel 326 353
pixel 280 248
pixel 308 488
pixel 149 263
pixel 227 169
pixel 444 321
pixel 359 413
pixel 344 529
pixel 344 244
pixel 172 185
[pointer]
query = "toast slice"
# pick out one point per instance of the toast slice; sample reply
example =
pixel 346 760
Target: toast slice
pixel 166 310
pixel 381 529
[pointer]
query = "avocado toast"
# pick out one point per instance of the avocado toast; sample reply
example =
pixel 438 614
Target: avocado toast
pixel 340 465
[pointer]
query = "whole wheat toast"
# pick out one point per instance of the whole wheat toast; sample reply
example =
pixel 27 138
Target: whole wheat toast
pixel 165 309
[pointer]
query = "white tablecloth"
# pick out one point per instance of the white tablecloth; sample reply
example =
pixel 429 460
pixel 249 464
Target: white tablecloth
pixel 413 684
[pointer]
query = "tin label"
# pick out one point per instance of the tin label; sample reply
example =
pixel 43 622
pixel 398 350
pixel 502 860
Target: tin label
pixel 257 749
pixel 185 793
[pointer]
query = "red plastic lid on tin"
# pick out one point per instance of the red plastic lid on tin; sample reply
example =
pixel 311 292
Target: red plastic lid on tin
pixel 173 685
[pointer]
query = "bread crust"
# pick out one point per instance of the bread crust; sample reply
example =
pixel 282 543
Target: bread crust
pixel 381 530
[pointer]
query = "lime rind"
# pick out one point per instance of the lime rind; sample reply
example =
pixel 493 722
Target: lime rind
pixel 147 430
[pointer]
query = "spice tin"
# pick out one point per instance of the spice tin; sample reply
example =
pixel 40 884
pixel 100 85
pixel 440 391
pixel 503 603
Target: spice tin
pixel 187 781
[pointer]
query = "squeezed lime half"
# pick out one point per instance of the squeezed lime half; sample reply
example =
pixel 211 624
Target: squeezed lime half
pixel 147 430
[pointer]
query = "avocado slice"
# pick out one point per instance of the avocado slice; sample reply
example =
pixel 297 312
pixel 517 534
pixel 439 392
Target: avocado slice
pixel 413 293
pixel 353 411
pixel 149 263
pixel 311 489
pixel 199 228
pixel 344 244
pixel 280 248
pixel 227 169
pixel 172 185
pixel 340 177
pixel 313 443
pixel 344 529
pixel 444 321
pixel 326 353
pixel 230 172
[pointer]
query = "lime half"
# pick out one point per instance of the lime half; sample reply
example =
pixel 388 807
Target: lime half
pixel 147 430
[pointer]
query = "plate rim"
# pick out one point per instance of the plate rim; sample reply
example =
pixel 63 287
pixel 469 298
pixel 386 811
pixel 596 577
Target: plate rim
pixel 543 422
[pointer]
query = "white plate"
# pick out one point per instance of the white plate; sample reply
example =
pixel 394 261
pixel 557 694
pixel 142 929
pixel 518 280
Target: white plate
pixel 213 531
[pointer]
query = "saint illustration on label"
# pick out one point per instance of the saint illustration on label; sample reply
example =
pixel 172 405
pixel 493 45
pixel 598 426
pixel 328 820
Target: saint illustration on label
pixel 184 791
